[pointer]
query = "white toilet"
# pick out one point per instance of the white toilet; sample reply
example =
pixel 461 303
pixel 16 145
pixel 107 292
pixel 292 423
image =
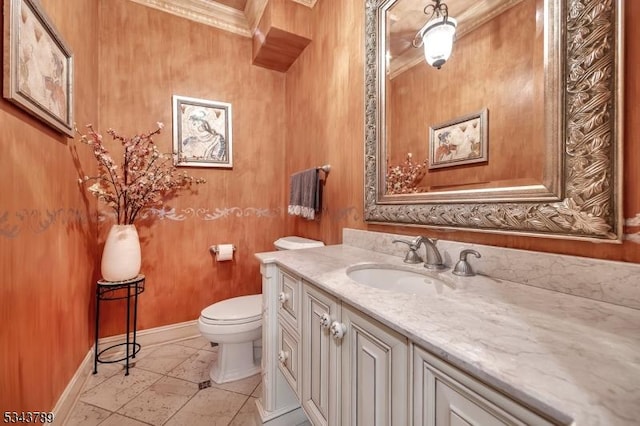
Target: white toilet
pixel 236 323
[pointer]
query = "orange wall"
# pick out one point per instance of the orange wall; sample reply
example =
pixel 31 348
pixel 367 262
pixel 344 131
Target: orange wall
pixel 328 126
pixel 146 56
pixel 325 116
pixel 47 235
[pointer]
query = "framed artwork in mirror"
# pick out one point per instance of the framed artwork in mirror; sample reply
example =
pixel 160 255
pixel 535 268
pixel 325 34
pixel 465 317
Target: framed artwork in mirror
pixel 38 65
pixel 202 133
pixel 460 141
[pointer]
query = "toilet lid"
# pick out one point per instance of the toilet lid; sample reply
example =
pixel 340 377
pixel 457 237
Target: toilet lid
pixel 294 243
pixel 237 310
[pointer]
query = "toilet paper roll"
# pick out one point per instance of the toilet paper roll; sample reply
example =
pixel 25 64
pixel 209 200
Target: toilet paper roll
pixel 224 252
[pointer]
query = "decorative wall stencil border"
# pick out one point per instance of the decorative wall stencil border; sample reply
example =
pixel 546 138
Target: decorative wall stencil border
pixel 12 224
pixel 633 222
pixel 201 213
pixel 38 221
pixel 342 213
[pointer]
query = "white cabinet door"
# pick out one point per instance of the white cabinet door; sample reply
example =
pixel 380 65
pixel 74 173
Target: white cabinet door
pixel 289 356
pixel 446 396
pixel 374 373
pixel 320 357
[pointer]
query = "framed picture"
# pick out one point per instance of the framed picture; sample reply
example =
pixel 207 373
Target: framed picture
pixel 460 141
pixel 202 135
pixel 38 65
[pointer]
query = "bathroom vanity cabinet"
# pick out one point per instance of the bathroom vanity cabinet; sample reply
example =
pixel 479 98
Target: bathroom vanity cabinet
pixel 342 366
pixel 346 368
pixel 477 350
pixel 354 368
pixel 445 396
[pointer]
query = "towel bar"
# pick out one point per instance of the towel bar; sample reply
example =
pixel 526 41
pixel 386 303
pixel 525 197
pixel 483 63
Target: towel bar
pixel 326 168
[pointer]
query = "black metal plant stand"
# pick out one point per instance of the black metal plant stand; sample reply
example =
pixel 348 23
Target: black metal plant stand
pixel 108 290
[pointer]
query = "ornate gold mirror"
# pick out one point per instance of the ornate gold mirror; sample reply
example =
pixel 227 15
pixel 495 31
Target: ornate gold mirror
pixel 519 131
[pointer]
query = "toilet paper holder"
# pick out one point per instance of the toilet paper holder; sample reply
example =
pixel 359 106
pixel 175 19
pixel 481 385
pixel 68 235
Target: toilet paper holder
pixel 214 249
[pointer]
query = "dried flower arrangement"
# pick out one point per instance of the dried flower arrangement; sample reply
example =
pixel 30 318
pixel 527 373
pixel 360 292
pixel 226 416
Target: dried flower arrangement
pixel 145 178
pixel 404 178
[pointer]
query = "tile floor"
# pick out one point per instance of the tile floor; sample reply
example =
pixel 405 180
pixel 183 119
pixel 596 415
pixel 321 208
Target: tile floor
pixel 163 389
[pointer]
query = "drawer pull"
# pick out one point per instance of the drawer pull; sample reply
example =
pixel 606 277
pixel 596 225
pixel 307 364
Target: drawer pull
pixel 283 356
pixel 325 320
pixel 283 297
pixel 337 330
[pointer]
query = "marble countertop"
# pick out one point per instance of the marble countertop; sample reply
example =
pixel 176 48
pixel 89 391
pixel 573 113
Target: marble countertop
pixel 572 358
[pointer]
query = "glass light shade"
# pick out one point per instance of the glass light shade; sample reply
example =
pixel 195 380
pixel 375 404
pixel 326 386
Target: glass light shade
pixel 437 40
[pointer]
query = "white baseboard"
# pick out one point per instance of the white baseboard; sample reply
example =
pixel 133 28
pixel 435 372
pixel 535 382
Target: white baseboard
pixel 159 335
pixel 72 392
pixel 150 337
pixel 283 417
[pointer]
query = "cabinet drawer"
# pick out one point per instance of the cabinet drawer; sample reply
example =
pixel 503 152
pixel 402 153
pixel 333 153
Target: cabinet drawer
pixel 446 396
pixel 289 288
pixel 289 357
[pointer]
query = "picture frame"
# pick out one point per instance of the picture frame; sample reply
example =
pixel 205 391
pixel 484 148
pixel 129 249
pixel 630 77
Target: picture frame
pixel 38 65
pixel 461 141
pixel 202 133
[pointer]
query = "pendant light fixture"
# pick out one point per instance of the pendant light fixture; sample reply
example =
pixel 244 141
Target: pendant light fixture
pixel 436 36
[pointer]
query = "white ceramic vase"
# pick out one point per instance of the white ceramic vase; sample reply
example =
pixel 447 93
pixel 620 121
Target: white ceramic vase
pixel 121 257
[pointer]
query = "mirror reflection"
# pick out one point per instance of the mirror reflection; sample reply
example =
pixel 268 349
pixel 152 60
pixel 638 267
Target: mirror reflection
pixel 433 128
pixel 520 129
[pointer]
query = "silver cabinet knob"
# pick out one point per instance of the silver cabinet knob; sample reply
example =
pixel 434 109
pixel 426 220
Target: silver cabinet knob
pixel 325 320
pixel 283 356
pixel 283 297
pixel 337 330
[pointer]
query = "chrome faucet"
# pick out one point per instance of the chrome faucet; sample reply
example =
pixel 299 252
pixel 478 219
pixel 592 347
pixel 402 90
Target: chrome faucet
pixel 434 259
pixel 412 255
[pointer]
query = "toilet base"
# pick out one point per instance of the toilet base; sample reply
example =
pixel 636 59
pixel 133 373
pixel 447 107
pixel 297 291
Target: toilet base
pixel 235 361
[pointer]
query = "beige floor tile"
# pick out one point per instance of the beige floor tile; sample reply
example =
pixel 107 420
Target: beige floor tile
pixel 209 407
pixel 86 415
pixel 244 386
pixel 119 389
pixel 160 401
pixel 258 392
pixel 118 420
pixel 196 343
pixel 165 358
pixel 105 371
pixel 247 416
pixel 195 369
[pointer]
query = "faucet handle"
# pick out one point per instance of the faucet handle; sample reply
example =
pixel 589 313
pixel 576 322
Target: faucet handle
pixel 463 268
pixel 464 253
pixel 412 255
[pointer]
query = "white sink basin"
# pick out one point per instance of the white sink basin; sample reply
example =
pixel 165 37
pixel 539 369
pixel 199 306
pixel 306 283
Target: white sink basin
pixel 398 280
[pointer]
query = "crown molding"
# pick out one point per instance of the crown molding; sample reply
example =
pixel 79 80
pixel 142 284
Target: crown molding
pixel 205 12
pixel 309 3
pixel 253 12
pixel 214 14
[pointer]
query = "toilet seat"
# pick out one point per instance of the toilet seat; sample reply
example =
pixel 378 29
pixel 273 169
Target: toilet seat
pixel 235 311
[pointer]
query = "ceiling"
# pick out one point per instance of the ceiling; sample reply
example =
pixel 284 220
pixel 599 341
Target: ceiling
pixel 236 16
pixel 406 17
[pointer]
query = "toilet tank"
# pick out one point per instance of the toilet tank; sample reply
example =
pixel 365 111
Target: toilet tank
pixel 295 243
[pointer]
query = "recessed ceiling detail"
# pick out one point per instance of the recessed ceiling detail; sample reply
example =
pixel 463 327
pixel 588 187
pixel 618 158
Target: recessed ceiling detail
pixel 236 16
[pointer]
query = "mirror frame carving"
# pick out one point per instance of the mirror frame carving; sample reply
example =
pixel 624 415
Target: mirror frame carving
pixel 590 122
